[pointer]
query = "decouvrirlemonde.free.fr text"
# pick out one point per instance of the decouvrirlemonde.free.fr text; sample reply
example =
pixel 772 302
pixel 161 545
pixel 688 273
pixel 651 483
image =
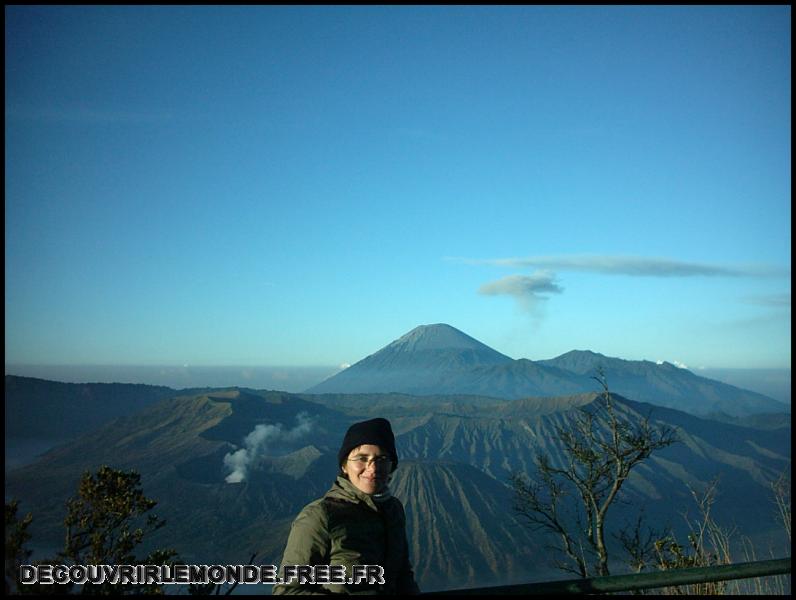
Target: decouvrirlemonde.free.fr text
pixel 200 574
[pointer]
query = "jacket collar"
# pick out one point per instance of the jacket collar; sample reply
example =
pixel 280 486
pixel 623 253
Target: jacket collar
pixel 343 489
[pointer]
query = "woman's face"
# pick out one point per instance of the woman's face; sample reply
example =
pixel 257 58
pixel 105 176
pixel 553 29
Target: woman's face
pixel 368 467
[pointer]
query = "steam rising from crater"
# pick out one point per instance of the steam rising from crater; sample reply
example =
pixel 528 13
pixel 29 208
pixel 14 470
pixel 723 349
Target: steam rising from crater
pixel 260 441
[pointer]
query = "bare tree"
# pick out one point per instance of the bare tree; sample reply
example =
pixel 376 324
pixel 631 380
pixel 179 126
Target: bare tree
pixel 639 543
pixel 781 489
pixel 600 449
pixel 708 544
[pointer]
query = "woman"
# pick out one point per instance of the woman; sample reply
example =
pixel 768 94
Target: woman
pixel 357 522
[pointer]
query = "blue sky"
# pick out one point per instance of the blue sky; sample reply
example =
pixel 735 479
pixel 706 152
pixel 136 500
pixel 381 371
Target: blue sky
pixel 302 185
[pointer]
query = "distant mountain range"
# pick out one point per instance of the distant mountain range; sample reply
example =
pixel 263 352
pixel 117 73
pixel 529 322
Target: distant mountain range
pixel 33 406
pixel 441 360
pixel 456 455
pixel 230 468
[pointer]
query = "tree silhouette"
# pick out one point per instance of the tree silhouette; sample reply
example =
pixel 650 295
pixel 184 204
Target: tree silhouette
pixel 600 450
pixel 16 537
pixel 105 522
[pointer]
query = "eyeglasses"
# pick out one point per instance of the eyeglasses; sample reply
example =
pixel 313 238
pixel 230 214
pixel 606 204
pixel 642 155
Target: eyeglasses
pixel 379 461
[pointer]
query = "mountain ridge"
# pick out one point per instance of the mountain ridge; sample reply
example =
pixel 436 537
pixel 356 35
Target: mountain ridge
pixel 451 477
pixel 440 359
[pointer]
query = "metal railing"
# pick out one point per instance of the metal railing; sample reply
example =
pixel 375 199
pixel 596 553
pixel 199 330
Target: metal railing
pixel 636 581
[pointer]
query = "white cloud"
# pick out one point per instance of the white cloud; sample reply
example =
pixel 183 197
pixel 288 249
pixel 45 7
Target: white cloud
pixel 676 363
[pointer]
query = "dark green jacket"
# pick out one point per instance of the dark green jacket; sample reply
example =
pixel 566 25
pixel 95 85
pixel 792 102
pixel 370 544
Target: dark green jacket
pixel 347 527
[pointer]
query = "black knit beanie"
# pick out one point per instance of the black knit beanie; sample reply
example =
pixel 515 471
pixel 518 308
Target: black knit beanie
pixel 375 431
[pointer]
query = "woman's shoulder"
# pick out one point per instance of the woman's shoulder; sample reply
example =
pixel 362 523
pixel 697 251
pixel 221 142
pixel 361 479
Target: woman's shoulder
pixel 315 511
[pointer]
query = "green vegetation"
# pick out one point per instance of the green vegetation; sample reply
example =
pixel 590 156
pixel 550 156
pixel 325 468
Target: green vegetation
pixel 16 537
pixel 105 522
